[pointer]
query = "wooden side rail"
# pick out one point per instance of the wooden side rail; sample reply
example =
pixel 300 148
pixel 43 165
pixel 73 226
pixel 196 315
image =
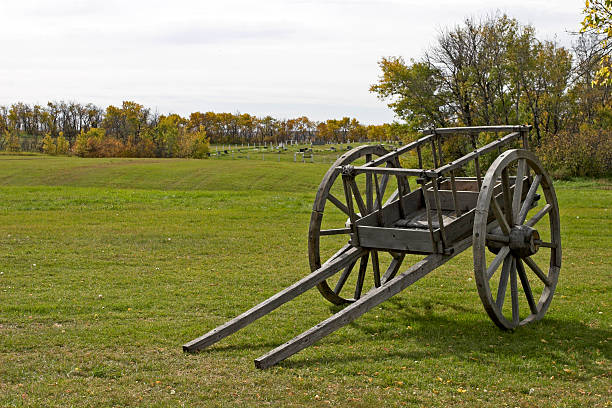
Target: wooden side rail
pixel 478 129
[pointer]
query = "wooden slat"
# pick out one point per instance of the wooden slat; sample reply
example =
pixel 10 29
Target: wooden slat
pixel 507 197
pixel 518 189
pixel 454 193
pixel 398 239
pixel 400 151
pixel 434 183
pixel 478 129
pixel 476 161
pixel 275 301
pixel 477 153
pixel 433 152
pixel 370 300
pixel 393 171
pixel 369 192
pixel 349 200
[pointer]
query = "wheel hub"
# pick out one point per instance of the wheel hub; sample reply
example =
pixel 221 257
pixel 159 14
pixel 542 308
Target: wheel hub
pixel 524 240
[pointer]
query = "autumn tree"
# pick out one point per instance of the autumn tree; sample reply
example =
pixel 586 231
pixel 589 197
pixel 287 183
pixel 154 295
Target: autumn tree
pixel 598 20
pixel 492 71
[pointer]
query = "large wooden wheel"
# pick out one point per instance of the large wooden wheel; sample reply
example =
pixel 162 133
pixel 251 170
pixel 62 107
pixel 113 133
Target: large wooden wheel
pixel 526 232
pixel 329 221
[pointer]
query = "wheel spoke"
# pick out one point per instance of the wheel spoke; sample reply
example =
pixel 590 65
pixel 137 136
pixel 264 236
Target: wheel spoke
pixel 529 199
pixel 344 277
pixel 360 278
pixel 392 198
pixel 376 268
pixel 507 197
pixel 336 231
pixel 393 268
pixel 534 220
pixel 338 253
pixel 545 244
pixel 338 203
pixel 501 255
pixel 360 204
pixel 504 239
pixel 518 188
pixel 536 269
pixel 499 216
pixel 384 180
pixel 514 293
pixel 526 287
pixel 503 283
pixel 369 193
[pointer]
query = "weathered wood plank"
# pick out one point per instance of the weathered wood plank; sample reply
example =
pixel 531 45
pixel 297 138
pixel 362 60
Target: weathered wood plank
pixel 393 171
pixel 455 164
pixel 398 239
pixel 478 129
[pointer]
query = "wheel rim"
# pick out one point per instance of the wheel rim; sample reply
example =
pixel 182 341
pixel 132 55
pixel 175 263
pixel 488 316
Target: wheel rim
pixel 349 284
pixel 516 251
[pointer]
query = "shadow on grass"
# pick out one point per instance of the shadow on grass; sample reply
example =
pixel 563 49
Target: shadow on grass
pixel 412 329
pixel 550 341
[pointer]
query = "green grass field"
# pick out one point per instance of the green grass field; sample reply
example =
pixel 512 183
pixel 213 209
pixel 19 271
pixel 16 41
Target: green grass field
pixel 108 266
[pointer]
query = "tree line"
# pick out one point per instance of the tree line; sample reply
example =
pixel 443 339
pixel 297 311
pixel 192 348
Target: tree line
pixel 133 130
pixel 496 71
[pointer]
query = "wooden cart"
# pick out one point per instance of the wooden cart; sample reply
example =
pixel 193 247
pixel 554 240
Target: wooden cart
pixel 365 198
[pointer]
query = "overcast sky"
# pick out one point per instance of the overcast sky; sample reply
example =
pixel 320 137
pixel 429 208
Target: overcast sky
pixel 282 58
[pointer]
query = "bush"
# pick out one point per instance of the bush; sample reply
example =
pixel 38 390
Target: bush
pixel 587 153
pixel 48 144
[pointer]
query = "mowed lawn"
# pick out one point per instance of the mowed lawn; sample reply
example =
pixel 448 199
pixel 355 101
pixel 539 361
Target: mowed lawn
pixel 107 266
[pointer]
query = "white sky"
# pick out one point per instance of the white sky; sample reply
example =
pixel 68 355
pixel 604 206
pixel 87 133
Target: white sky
pixel 283 58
